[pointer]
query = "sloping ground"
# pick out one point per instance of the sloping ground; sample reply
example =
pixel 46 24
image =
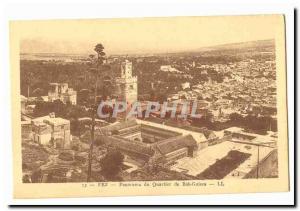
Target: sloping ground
pixel 224 166
pixel 33 156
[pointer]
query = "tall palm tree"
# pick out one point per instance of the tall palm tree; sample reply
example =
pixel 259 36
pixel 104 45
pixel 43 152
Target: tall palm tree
pixel 96 72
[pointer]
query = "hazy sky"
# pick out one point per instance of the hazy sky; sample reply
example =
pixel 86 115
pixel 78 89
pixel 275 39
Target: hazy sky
pixel 143 35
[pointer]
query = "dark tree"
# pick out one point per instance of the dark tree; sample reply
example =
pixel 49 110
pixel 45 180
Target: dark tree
pixel 235 117
pixel 111 164
pixel 100 53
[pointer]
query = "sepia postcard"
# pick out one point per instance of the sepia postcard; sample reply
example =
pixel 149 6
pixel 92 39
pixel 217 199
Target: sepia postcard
pixel 149 106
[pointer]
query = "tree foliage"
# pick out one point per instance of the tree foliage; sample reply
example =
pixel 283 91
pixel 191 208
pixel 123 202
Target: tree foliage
pixel 111 164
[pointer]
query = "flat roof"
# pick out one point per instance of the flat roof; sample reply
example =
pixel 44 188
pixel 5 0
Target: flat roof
pixel 257 138
pixel 50 120
pixel 209 155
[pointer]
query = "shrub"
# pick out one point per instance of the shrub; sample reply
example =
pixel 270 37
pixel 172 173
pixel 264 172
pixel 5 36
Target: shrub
pixel 66 156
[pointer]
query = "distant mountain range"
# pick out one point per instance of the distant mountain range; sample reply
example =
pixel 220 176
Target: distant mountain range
pixel 242 45
pixel 243 48
pixel 267 46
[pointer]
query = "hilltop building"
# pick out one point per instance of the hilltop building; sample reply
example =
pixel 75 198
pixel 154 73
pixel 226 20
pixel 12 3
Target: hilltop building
pixel 51 130
pixel 61 91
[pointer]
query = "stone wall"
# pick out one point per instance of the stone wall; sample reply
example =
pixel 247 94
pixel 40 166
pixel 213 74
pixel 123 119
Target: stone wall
pixel 268 167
